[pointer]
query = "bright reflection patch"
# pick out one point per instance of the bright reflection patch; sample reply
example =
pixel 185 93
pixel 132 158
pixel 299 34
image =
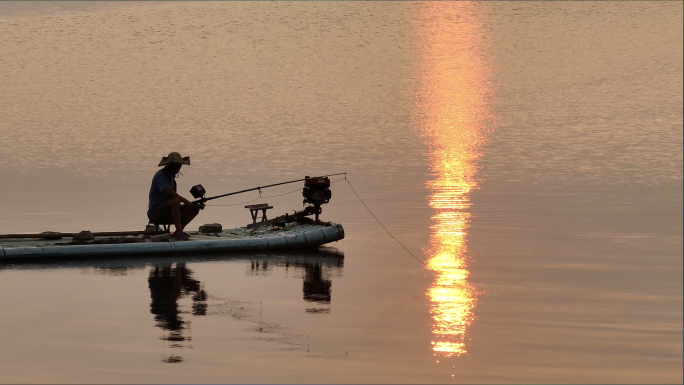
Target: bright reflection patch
pixel 453 111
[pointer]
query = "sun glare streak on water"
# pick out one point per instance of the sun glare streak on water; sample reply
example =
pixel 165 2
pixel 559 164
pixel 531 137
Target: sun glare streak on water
pixel 454 113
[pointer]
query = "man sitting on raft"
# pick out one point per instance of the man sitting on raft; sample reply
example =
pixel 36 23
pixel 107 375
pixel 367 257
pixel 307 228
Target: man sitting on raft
pixel 166 206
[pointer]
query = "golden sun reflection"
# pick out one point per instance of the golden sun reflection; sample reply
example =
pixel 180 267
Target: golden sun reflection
pixel 453 110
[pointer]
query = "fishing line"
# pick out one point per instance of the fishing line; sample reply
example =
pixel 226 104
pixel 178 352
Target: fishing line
pixel 383 226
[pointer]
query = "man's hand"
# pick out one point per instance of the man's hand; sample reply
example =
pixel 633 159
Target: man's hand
pixel 172 194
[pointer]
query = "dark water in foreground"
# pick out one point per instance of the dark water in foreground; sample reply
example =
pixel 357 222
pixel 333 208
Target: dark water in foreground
pixel 530 153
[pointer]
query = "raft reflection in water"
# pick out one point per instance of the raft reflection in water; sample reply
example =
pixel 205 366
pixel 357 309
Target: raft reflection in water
pixel 170 283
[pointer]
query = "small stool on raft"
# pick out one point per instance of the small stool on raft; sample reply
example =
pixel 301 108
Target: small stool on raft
pixel 254 210
pixel 166 227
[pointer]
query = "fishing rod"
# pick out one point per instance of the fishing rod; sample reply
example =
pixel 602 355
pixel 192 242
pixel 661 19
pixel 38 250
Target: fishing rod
pixel 309 188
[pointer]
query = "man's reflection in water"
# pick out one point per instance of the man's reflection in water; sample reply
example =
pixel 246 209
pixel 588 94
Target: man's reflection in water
pixel 167 285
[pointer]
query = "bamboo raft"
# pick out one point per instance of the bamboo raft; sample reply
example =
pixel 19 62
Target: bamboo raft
pixel 53 245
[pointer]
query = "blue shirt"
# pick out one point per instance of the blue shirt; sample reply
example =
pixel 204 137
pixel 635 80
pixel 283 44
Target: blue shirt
pixel 161 181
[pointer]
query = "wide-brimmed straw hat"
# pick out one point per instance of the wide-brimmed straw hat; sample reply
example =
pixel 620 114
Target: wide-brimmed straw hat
pixel 174 158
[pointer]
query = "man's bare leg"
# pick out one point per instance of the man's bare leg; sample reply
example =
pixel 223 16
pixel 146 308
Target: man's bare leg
pixel 176 217
pixel 188 213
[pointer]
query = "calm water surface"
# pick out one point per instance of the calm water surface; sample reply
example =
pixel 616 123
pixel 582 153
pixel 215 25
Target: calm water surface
pixel 530 153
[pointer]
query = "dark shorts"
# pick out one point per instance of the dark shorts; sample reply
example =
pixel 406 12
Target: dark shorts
pixel 160 214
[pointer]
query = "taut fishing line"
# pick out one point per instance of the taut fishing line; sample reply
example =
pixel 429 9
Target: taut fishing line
pixel 383 226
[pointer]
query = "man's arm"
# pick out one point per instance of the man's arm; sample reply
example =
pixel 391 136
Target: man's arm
pixel 172 194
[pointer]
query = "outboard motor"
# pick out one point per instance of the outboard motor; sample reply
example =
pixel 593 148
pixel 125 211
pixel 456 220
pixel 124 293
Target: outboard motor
pixel 316 192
